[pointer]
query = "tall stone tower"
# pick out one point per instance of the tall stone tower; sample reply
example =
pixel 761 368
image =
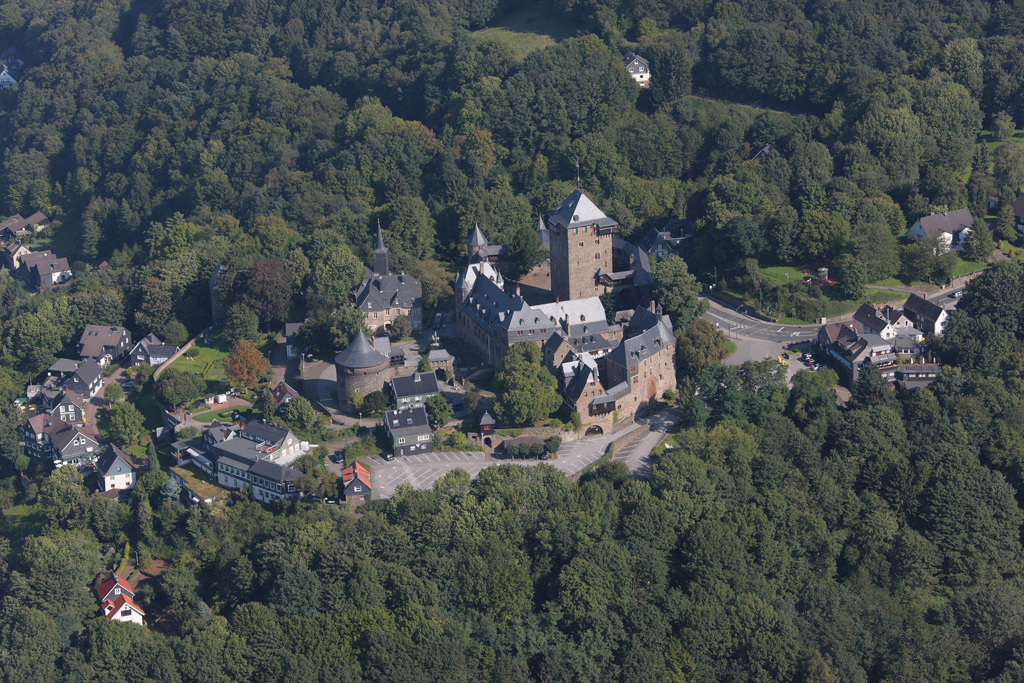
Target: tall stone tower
pixel 477 241
pixel 581 245
pixel 380 255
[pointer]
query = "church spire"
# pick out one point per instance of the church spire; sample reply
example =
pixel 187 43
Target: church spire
pixel 380 254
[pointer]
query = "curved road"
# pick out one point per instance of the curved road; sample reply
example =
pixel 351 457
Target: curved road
pixel 735 322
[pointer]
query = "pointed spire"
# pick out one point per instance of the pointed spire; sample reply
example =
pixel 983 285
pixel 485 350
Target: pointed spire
pixel 380 255
pixel 477 239
pixel 380 238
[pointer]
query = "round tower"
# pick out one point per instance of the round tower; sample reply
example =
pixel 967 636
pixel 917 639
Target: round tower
pixel 360 368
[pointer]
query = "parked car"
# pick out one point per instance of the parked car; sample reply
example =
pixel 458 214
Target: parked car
pixel 388 456
pixel 338 458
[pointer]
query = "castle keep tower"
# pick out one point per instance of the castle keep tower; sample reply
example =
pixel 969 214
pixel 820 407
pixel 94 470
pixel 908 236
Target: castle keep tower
pixel 380 255
pixel 581 247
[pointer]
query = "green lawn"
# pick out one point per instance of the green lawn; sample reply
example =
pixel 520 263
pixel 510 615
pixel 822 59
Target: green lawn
pixel 224 414
pixel 779 273
pixel 965 267
pixel 23 521
pixel 986 139
pixel 212 354
pixel 524 31
pixel 199 482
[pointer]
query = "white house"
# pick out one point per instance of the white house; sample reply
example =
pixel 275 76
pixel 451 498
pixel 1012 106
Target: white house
pixel 952 227
pixel 117 599
pixel 6 79
pixel 928 317
pixel 116 470
pixel 638 68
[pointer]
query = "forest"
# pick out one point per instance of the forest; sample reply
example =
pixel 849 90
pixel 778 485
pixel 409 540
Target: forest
pixel 779 538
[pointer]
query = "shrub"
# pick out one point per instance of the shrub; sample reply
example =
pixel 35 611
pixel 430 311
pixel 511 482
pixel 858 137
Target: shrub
pixel 553 444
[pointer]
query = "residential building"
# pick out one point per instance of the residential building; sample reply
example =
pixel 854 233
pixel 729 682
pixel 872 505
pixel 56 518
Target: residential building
pixel 217 433
pixel 117 600
pixel 13 253
pixel 409 431
pixel 928 317
pixel 44 269
pixel 645 361
pixel 292 348
pixel 13 57
pixel 639 69
pixel 952 227
pixel 886 322
pixel 272 439
pixel 62 367
pixel 245 463
pixel 151 351
pixel 16 226
pixel 914 377
pixel 104 343
pixel 466 279
pixel 674 238
pixel 355 481
pixel 86 380
pixel 282 394
pixel 854 354
pixel 58 443
pixel 410 391
pixel 7 79
pixel 116 470
pixel 383 297
pixel 65 405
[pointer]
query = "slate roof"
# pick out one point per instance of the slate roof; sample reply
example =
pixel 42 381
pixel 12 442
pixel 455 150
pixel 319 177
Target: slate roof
pixel 290 330
pixel 922 308
pixel 639 260
pixel 409 421
pixel 64 365
pixel 585 374
pixel 578 210
pixel 274 472
pixel 468 277
pixel 259 430
pixel 486 419
pixel 588 310
pixel 114 461
pixel 1018 206
pixel 61 433
pixel 950 222
pixel 416 384
pixel 360 354
pixel 630 56
pixel 476 238
pixel 96 338
pixel 644 345
pixel 378 292
pixel 88 372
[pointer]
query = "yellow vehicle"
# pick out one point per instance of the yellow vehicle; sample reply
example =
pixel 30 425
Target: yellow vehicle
pixel 782 362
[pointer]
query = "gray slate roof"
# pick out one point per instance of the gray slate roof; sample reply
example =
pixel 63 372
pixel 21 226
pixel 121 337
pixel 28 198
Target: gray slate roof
pixel 949 222
pixel 360 354
pixel 629 57
pixel 578 210
pixel 64 365
pixel 114 461
pixel 411 421
pixel 644 344
pixel 96 338
pixel 416 384
pixel 88 372
pixel 274 472
pixel 922 308
pixel 476 238
pixel 378 292
pixel 258 430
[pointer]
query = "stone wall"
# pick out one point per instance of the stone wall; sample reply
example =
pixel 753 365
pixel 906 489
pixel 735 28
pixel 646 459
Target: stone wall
pixel 361 380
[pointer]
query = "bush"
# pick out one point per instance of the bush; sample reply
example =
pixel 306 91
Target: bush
pixel 553 444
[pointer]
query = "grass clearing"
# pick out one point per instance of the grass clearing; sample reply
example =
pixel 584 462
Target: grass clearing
pixel 227 414
pixel 779 273
pixel 22 521
pixel 990 144
pixel 524 31
pixel 965 267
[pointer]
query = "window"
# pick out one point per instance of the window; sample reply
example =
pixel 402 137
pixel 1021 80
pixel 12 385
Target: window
pixel 424 438
pixel 632 368
pixel 401 441
pixel 126 613
pixel 581 244
pixel 387 311
pixel 357 489
pixel 597 256
pixel 375 315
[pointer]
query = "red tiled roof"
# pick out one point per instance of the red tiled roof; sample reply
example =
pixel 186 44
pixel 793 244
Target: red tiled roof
pixel 117 603
pixel 110 581
pixel 356 470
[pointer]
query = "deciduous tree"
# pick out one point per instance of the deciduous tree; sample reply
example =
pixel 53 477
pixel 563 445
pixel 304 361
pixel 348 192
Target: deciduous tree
pixel 246 365
pixel 676 290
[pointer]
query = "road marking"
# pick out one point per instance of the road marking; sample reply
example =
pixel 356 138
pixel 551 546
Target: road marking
pixel 781 329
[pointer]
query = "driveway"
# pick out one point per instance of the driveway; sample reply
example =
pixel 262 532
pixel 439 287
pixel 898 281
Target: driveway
pixel 573 457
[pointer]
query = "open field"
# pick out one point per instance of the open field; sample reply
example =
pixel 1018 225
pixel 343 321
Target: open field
pixel 524 31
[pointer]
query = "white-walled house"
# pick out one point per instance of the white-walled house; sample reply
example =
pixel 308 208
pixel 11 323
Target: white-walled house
pixel 952 227
pixel 638 68
pixel 117 599
pixel 116 470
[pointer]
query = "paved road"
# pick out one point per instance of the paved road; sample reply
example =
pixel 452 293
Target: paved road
pixel 736 323
pixel 637 452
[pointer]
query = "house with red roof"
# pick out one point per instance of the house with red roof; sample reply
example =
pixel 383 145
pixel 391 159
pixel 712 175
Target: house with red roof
pixel 117 599
pixel 355 481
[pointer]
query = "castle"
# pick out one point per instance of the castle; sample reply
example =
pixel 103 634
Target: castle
pixel 606 369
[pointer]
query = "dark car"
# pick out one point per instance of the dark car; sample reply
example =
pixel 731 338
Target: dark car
pixel 388 456
pixel 338 458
